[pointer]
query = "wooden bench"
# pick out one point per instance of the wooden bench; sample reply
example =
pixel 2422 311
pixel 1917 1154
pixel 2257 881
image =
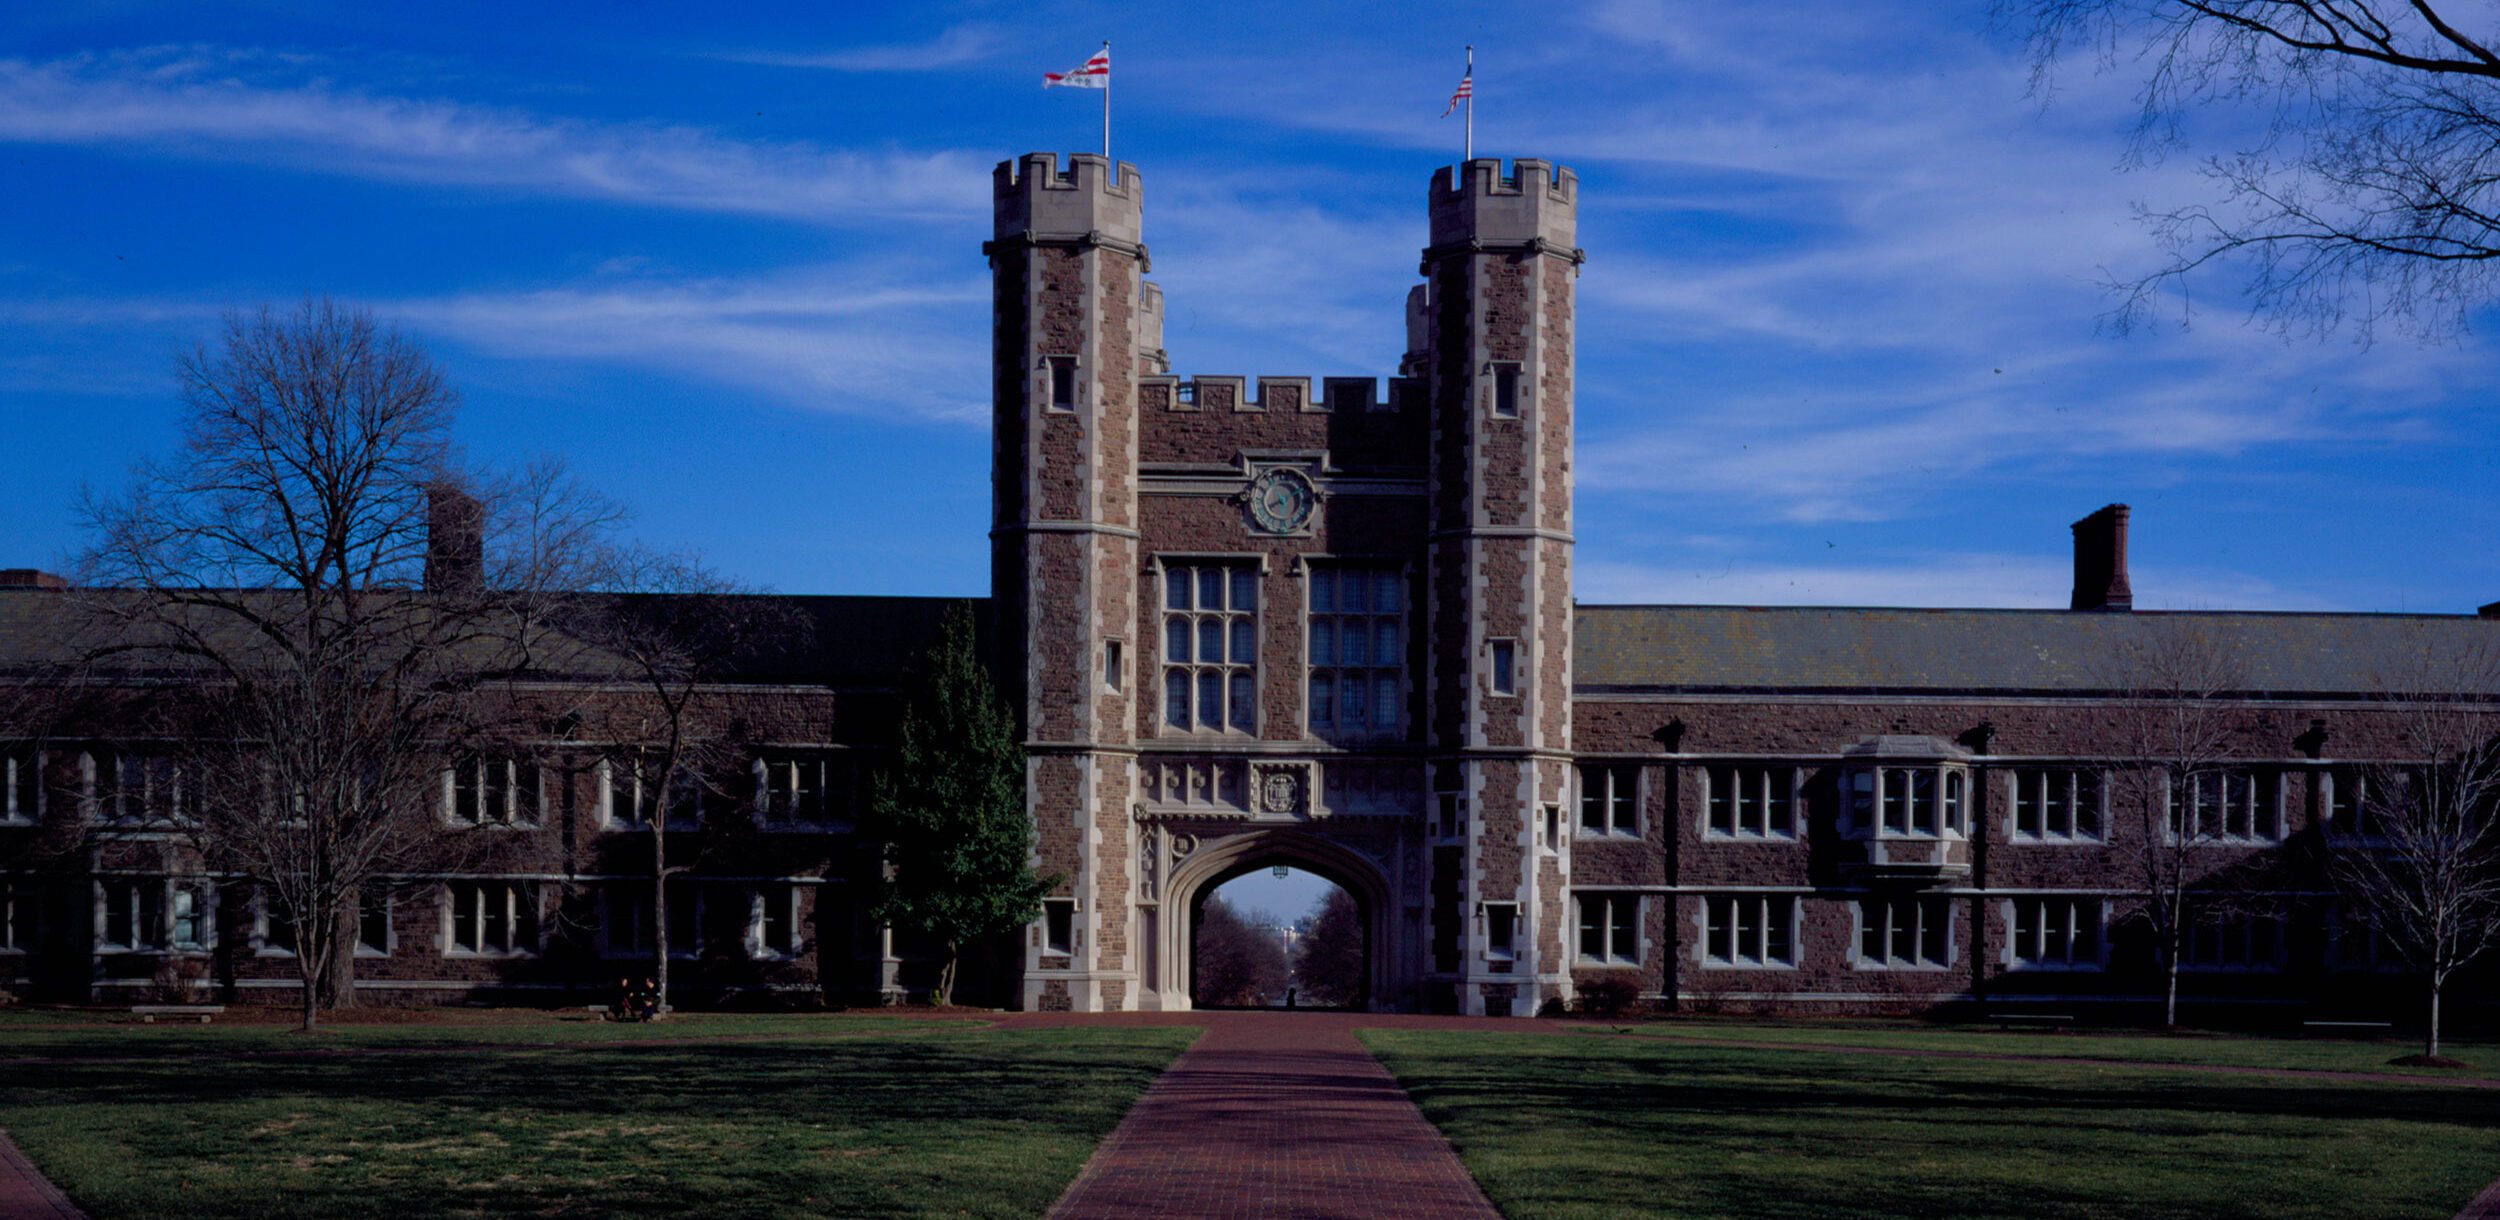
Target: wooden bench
pixel 2375 1027
pixel 2033 1020
pixel 148 1013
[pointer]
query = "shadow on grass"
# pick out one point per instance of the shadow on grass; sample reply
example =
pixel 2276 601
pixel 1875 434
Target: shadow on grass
pixel 914 1124
pixel 1625 1128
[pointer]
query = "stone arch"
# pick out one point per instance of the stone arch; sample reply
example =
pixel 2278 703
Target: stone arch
pixel 1220 859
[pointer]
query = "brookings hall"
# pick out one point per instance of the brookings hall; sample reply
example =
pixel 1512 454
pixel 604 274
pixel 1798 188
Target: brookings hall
pixel 1328 623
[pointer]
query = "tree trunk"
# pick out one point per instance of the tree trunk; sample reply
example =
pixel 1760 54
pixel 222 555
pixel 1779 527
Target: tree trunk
pixel 2431 1045
pixel 339 987
pixel 308 969
pixel 946 975
pixel 659 911
pixel 2170 984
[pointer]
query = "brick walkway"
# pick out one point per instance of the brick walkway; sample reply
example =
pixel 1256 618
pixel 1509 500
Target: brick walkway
pixel 1273 1114
pixel 26 1194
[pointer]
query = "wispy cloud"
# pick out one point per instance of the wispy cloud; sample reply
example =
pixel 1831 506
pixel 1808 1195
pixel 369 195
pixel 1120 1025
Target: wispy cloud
pixel 829 339
pixel 956 46
pixel 190 103
pixel 1927 579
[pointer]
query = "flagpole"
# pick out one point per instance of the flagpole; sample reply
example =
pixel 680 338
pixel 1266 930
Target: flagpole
pixel 1114 170
pixel 1471 103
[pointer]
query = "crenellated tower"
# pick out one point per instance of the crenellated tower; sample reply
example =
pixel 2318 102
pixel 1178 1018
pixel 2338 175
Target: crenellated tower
pixel 1075 325
pixel 1496 323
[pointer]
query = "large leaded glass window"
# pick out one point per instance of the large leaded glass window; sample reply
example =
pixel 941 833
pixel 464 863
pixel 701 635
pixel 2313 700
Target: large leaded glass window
pixel 1357 652
pixel 1210 648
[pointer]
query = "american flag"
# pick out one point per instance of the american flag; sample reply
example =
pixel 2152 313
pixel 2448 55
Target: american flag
pixel 1096 74
pixel 1466 89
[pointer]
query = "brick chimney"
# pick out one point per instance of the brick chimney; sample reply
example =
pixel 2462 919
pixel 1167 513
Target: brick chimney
pixel 2101 561
pixel 455 538
pixel 29 578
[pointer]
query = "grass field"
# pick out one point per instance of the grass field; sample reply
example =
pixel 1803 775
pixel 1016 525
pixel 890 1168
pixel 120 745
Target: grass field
pixel 2225 1049
pixel 1557 1127
pixel 534 1118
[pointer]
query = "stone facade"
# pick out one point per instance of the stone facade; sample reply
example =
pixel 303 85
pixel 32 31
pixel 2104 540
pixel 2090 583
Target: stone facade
pixel 1329 623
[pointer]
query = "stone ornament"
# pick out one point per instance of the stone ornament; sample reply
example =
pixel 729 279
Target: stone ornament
pixel 1281 500
pixel 1281 789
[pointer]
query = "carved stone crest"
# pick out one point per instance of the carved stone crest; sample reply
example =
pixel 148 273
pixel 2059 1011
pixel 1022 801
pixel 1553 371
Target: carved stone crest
pixel 1282 789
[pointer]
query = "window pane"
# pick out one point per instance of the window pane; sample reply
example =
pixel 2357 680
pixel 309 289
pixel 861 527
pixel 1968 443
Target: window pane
pixel 1245 641
pixel 1176 589
pixel 1350 708
pixel 1323 642
pixel 1354 647
pixel 1210 588
pixel 1176 699
pixel 1323 706
pixel 1626 932
pixel 1385 642
pixel 1352 594
pixel 1176 641
pixel 1242 703
pixel 1211 700
pixel 1323 590
pixel 1245 589
pixel 1385 593
pixel 1211 639
pixel 1385 702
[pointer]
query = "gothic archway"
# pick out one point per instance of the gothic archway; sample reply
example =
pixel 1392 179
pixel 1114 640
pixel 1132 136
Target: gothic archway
pixel 1223 859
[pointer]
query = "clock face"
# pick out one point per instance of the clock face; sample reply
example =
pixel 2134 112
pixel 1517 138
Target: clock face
pixel 1281 501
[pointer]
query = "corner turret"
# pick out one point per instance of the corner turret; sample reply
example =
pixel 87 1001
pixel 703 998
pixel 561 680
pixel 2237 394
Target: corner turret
pixel 1535 205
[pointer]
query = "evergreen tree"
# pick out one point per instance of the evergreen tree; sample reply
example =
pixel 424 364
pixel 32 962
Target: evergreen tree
pixel 949 808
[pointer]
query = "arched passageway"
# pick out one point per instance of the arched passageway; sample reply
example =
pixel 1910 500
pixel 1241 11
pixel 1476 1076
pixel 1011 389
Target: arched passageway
pixel 1222 861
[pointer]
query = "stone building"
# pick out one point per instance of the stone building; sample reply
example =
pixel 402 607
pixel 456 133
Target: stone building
pixel 1329 623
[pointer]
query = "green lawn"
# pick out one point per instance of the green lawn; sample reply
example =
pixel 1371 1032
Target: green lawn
pixel 88 1032
pixel 921 1119
pixel 2235 1050
pixel 1560 1127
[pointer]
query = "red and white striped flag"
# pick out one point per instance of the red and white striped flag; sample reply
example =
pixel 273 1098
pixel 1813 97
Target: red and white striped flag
pixel 1096 74
pixel 1466 89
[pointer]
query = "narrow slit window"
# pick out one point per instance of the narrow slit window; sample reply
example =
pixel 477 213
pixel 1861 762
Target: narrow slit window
pixel 1063 383
pixel 1506 391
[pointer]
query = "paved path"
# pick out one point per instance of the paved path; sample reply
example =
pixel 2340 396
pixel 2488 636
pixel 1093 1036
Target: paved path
pixel 1274 1114
pixel 1267 1114
pixel 26 1194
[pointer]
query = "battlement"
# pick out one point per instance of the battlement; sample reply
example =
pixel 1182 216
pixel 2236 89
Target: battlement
pixel 1477 202
pixel 1034 195
pixel 1167 392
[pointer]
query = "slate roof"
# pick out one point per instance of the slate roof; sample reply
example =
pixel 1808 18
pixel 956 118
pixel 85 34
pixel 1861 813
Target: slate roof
pixel 838 641
pixel 1750 649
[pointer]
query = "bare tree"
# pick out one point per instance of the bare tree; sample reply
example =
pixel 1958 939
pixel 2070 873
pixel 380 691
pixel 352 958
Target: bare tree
pixel 1328 963
pixel 1240 962
pixel 2422 866
pixel 278 571
pixel 2367 187
pixel 2172 788
pixel 664 627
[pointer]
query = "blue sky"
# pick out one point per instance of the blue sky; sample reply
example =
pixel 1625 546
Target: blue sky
pixel 1838 337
